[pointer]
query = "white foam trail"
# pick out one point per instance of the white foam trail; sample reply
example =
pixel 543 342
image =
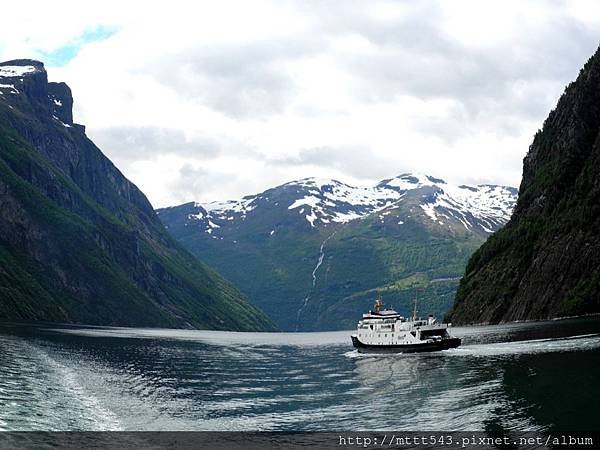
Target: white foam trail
pixel 572 343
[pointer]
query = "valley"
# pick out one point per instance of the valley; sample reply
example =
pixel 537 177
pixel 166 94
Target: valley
pixel 313 253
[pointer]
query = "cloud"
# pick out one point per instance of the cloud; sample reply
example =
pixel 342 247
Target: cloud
pixel 136 143
pixel 351 161
pixel 247 79
pixel 193 181
pixel 214 100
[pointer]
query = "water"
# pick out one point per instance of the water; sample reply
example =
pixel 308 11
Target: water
pixel 534 376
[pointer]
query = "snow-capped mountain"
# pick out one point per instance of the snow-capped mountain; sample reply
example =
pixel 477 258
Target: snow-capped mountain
pixel 312 252
pixel 326 203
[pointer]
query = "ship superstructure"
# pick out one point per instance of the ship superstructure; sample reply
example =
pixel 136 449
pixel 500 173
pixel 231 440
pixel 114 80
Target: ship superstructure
pixel 385 330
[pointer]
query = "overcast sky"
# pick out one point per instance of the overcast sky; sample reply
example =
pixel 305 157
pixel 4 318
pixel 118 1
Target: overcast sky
pixel 219 99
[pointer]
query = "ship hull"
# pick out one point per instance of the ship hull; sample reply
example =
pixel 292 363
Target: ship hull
pixel 444 344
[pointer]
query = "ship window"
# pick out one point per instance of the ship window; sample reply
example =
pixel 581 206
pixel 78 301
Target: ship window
pixel 413 333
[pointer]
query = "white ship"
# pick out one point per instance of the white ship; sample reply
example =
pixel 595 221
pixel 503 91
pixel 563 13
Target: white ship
pixel 384 330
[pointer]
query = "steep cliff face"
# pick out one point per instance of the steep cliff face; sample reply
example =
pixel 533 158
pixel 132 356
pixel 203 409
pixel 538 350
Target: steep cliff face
pixel 545 262
pixel 81 243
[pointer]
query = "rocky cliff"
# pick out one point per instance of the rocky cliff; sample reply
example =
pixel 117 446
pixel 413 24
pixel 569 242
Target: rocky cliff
pixel 545 262
pixel 81 243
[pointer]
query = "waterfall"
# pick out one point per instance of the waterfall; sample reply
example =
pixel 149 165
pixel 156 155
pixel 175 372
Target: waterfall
pixel 314 279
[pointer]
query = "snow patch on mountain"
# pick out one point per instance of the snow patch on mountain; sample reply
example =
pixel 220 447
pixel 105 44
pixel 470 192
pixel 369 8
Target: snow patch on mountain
pixel 243 206
pixel 324 202
pixel 333 201
pixel 484 206
pixel 11 87
pixel 410 181
pixel 16 71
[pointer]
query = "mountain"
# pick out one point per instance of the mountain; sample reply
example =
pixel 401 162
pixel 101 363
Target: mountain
pixel 312 253
pixel 546 262
pixel 78 241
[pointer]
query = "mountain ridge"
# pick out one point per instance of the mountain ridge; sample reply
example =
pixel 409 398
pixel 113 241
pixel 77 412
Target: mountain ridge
pixel 313 252
pixel 332 201
pixel 79 242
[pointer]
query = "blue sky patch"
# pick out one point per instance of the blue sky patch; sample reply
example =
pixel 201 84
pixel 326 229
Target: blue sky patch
pixel 62 55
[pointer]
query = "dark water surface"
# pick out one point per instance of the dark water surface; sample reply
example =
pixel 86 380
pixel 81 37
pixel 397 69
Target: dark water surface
pixel 534 376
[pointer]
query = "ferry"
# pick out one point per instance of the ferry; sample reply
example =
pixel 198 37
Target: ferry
pixel 385 330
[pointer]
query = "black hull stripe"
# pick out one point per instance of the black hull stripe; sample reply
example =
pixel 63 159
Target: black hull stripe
pixel 445 344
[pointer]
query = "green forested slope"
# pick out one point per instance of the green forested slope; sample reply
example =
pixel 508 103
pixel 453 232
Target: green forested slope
pixel 80 243
pixel 545 262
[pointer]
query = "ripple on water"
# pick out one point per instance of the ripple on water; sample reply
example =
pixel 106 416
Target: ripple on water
pixel 178 380
pixel 36 389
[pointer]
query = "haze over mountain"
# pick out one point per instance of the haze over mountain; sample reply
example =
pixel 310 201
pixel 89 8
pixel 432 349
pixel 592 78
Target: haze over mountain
pixel 78 241
pixel 546 262
pixel 313 252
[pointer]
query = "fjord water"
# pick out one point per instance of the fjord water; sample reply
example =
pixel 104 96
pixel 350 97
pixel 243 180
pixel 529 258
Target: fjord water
pixel 534 376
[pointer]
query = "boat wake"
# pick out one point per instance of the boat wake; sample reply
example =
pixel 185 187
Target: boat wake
pixel 582 342
pixel 34 381
pixel 105 379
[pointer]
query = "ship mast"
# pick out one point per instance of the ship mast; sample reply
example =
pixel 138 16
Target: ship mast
pixel 378 302
pixel 415 306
